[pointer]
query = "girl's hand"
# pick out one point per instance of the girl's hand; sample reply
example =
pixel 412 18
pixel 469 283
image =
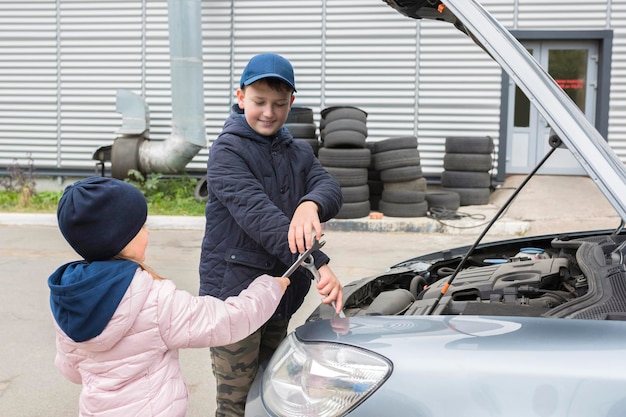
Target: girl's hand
pixel 284 282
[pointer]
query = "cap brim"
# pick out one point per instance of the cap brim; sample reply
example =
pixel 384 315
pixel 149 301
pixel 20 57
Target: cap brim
pixel 268 75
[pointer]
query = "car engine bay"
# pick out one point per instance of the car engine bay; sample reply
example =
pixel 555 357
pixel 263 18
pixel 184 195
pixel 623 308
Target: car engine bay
pixel 560 277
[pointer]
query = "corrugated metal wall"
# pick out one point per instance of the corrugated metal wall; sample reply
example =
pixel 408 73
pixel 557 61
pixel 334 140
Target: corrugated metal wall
pixel 617 110
pixel 62 61
pixel 29 81
pixel 60 65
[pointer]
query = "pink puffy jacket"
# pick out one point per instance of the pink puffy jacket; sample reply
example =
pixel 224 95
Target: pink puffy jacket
pixel 132 368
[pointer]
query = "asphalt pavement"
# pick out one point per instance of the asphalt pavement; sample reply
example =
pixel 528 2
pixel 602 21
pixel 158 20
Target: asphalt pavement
pixel 31 248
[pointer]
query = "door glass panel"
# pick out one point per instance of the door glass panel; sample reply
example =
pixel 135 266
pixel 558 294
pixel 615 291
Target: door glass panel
pixel 522 109
pixel 521 117
pixel 568 67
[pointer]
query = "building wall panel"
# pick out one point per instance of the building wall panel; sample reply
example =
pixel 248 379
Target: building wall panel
pixel 62 62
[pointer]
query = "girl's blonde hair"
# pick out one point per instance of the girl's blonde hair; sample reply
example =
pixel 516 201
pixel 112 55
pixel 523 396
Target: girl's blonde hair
pixel 142 266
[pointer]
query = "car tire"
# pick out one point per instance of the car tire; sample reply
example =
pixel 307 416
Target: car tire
pixel 467 162
pixel 403 196
pixel 448 200
pixel 201 191
pixel 403 209
pixel 396 158
pixel 302 130
pixel 344 138
pixel 418 184
pixel 300 115
pixel 394 143
pixel 464 144
pixel 471 196
pixel 354 210
pixel 345 157
pixel 315 144
pixel 348 177
pixel 343 112
pixel 406 173
pixel 465 179
pixel 355 194
pixel 345 124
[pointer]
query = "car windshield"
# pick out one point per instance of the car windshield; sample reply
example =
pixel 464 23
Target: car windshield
pixel 568 123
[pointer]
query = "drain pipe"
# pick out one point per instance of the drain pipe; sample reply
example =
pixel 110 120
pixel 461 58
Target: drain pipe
pixel 188 130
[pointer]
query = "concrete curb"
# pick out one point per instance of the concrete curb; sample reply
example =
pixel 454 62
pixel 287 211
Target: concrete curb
pixel 427 225
pixel 153 222
pixel 385 225
pixel 28 219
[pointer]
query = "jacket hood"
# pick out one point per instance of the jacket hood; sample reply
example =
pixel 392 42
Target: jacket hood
pixel 236 124
pixel 84 296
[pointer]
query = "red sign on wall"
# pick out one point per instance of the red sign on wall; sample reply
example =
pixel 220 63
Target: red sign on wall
pixel 571 84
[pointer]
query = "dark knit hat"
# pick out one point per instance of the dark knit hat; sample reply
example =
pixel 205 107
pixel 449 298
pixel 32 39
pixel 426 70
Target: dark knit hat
pixel 99 216
pixel 267 65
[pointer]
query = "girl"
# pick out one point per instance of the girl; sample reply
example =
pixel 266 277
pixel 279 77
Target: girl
pixel 119 325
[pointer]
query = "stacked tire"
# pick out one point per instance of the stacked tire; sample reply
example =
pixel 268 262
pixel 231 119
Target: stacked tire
pixel 343 130
pixel 343 126
pixel 467 164
pixel 301 125
pixel 397 160
pixel 442 202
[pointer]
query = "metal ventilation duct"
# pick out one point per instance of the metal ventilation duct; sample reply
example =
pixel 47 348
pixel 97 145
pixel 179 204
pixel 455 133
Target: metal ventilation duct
pixel 133 150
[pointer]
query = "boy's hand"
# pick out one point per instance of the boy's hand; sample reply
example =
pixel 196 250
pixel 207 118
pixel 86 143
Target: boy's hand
pixel 330 288
pixel 305 220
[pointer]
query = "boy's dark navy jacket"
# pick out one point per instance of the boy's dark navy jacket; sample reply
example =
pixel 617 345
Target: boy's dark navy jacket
pixel 254 184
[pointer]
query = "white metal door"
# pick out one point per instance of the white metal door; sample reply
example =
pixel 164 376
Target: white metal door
pixel 573 64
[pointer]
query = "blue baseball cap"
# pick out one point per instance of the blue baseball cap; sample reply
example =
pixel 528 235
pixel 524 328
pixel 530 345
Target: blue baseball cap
pixel 265 66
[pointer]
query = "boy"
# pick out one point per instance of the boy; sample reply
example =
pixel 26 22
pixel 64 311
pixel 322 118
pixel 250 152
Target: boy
pixel 268 195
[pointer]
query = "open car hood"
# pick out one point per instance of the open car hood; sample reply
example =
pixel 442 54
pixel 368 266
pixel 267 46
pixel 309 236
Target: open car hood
pixel 569 124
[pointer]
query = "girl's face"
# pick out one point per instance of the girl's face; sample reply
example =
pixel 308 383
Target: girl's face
pixel 136 248
pixel 265 109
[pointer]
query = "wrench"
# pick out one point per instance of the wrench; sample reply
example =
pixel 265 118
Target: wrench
pixel 309 263
pixel 303 256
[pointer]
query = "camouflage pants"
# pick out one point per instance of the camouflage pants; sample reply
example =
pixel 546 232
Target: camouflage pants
pixel 236 365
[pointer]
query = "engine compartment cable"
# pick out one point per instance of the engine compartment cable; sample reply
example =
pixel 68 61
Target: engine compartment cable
pixel 441 213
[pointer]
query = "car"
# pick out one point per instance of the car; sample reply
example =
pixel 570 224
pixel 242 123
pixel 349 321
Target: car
pixel 532 326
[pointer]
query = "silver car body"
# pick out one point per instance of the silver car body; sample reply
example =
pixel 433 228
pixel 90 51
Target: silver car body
pixel 472 353
pixel 485 366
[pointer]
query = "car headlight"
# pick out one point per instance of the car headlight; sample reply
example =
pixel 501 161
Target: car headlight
pixel 320 379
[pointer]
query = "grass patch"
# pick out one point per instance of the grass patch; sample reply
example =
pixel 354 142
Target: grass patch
pixel 165 196
pixel 43 202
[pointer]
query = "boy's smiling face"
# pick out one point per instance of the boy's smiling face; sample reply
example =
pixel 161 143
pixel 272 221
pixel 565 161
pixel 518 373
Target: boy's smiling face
pixel 265 109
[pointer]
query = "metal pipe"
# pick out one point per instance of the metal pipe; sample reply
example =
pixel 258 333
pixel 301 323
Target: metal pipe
pixel 185 23
pixel 188 134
